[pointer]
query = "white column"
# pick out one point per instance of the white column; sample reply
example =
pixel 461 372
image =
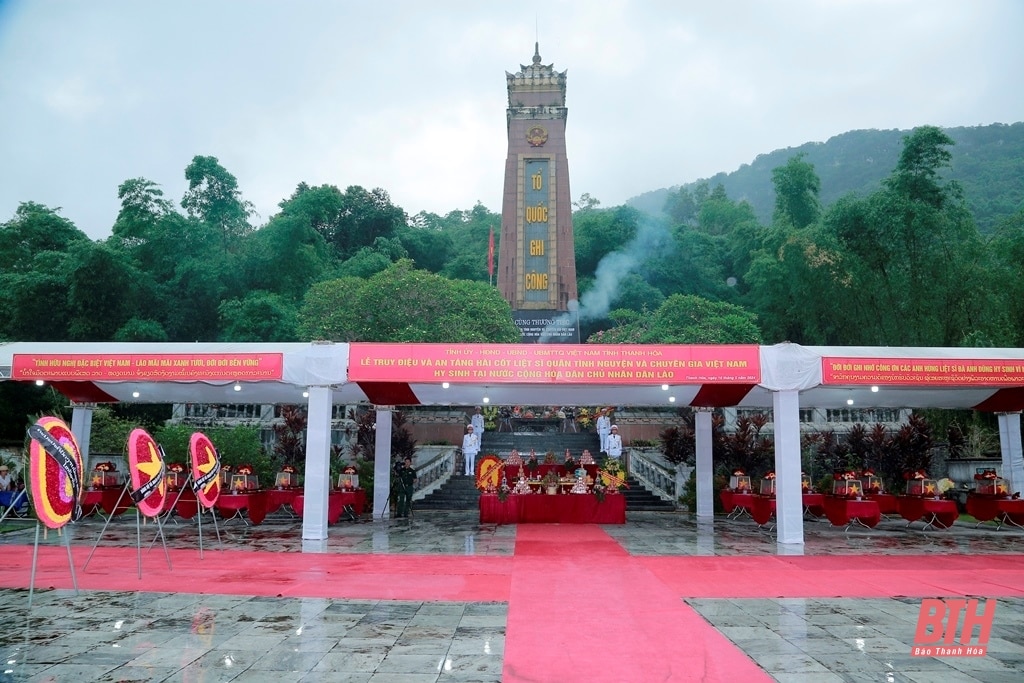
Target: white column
pixel 1010 445
pixel 81 427
pixel 705 467
pixel 382 463
pixel 318 464
pixel 789 506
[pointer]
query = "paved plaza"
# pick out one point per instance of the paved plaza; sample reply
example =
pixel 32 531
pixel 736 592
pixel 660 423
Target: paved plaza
pixel 440 597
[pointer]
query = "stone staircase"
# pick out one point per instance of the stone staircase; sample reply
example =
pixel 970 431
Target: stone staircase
pixel 460 493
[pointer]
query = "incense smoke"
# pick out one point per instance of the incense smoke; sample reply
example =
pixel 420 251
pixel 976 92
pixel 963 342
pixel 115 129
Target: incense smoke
pixel 596 302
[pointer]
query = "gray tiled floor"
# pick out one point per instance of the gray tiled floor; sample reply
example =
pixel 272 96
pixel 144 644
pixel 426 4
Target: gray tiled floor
pixel 180 636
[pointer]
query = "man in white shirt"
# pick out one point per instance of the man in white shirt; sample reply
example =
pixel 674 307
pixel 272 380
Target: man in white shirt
pixel 604 424
pixel 614 443
pixel 478 424
pixel 470 447
pixel 6 483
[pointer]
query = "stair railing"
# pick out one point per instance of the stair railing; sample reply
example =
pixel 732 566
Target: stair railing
pixel 657 474
pixel 433 474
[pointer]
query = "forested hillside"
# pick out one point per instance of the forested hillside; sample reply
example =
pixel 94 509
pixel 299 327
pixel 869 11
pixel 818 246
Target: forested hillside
pixel 901 263
pixel 987 162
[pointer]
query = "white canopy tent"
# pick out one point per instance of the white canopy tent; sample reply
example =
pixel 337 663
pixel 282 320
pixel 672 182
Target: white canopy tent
pixel 788 377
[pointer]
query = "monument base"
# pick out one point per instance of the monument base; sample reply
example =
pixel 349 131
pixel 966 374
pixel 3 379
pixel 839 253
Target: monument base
pixel 547 327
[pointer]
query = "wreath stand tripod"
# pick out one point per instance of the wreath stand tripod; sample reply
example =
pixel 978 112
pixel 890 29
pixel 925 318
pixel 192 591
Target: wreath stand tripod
pixel 200 510
pixel 138 534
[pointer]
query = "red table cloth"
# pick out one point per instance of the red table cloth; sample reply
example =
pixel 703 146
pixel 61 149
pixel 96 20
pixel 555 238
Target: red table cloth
pixel 983 508
pixel 887 503
pixel 253 503
pixel 279 497
pixel 762 509
pixel 185 504
pixel 937 512
pixel 814 504
pixel 1011 511
pixel 843 511
pixel 572 508
pixel 112 500
pixel 732 500
pixel 336 502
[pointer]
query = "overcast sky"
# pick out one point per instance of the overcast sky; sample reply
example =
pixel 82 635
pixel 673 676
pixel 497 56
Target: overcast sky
pixel 410 96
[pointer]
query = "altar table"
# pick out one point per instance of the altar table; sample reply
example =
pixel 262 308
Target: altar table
pixel 814 504
pixel 736 504
pixel 571 508
pixel 336 502
pixel 1011 511
pixel 886 502
pixel 279 497
pixel 184 502
pixel 254 503
pixel 111 500
pixel 844 512
pixel 983 508
pixel 762 508
pixel 512 471
pixel 934 512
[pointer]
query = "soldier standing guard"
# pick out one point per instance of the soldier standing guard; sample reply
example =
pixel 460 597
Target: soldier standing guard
pixel 406 483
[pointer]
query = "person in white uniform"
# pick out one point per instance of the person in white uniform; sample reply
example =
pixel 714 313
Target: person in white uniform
pixel 614 443
pixel 478 424
pixel 470 447
pixel 604 424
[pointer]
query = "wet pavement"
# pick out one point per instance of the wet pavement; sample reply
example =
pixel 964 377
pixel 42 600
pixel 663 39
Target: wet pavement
pixel 175 635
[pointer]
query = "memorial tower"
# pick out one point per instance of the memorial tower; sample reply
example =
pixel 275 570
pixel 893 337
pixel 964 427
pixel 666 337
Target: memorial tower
pixel 537 262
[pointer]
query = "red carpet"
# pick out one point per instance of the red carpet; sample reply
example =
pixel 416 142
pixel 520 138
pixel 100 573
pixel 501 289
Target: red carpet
pixel 582 609
pixel 847 576
pixel 386 577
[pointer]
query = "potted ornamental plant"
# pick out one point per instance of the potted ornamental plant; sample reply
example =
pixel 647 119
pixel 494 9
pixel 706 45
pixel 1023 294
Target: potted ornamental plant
pixel 550 482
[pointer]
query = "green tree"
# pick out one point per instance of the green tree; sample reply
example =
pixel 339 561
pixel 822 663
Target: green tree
pixel 407 305
pixel 101 291
pixel 598 232
pixel 34 251
pixel 796 193
pixel 685 319
pixel 213 197
pixel 285 257
pixel 259 316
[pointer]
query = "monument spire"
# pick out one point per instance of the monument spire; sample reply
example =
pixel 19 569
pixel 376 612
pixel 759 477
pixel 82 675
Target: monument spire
pixel 537 263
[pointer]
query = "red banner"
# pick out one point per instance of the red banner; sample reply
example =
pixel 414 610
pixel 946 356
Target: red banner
pixel 555 363
pixel 923 371
pixel 127 367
